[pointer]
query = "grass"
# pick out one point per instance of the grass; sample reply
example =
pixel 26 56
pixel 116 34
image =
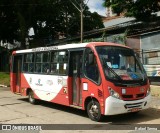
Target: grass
pixel 4 78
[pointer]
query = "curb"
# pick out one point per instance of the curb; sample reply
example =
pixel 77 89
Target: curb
pixel 3 85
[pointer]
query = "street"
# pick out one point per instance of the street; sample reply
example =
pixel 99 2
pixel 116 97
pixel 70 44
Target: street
pixel 15 109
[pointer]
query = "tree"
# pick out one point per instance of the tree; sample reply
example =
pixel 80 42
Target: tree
pixel 46 17
pixel 143 10
pixel 8 21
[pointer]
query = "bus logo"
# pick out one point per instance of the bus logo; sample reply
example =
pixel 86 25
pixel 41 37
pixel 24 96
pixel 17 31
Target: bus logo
pixel 30 80
pixel 39 83
pixel 49 82
pixel 141 89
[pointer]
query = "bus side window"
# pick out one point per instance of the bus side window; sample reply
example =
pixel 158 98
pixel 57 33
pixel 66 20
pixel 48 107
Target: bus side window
pixel 46 62
pixel 63 59
pixel 59 62
pixel 54 61
pixel 28 65
pixel 91 67
pixel 38 63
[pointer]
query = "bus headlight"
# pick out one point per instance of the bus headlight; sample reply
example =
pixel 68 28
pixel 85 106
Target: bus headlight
pixel 148 91
pixel 113 93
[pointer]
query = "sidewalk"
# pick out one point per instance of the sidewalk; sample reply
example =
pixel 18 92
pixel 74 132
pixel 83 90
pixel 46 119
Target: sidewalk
pixel 155 90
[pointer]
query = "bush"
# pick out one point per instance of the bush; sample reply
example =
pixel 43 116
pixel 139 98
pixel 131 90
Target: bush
pixel 4 78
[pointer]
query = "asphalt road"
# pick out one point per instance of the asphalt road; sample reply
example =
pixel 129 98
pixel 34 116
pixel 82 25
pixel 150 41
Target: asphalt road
pixel 15 109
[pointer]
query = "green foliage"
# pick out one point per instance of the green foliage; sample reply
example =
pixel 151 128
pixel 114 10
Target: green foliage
pixel 4 78
pixel 140 9
pixel 47 17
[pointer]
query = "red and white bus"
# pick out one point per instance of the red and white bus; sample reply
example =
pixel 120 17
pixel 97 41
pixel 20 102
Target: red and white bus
pixel 100 77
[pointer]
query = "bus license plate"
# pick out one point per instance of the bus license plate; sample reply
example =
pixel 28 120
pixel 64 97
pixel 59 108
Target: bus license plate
pixel 134 109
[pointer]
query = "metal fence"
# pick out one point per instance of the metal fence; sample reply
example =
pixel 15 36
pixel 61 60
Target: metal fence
pixel 151 61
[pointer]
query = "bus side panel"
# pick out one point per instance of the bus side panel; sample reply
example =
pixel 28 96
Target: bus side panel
pixel 70 90
pixel 90 89
pixel 24 85
pixel 62 97
pixel 13 82
pixel 12 77
pixel 49 88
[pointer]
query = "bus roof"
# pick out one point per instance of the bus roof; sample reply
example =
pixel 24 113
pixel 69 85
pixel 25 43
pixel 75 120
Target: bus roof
pixel 68 46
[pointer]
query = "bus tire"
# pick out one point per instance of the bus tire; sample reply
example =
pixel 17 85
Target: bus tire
pixel 31 98
pixel 94 111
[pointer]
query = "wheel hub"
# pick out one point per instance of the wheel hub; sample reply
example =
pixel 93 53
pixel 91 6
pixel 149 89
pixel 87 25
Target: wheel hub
pixel 94 110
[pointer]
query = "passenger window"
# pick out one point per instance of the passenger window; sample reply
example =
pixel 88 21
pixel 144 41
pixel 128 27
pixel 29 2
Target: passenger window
pixel 54 63
pixel 38 63
pixel 28 63
pixel 42 64
pixel 59 62
pixel 46 62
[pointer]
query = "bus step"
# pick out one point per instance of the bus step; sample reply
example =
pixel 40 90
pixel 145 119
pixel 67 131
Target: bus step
pixel 17 93
pixel 75 106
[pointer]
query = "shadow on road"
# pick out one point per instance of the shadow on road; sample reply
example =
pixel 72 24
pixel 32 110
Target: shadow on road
pixel 130 118
pixel 4 88
pixel 134 118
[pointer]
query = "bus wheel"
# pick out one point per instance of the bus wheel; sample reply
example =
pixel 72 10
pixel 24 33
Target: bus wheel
pixel 31 98
pixel 94 111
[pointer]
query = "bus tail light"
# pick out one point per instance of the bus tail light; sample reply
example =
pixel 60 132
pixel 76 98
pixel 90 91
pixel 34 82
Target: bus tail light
pixel 113 93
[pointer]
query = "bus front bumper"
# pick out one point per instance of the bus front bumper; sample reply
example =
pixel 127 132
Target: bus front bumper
pixel 115 106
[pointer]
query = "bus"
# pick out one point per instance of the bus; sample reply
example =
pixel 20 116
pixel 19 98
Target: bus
pixel 101 78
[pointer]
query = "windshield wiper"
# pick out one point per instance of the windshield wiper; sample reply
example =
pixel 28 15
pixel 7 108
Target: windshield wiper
pixel 111 70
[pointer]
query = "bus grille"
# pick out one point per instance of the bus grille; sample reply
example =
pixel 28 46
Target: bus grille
pixel 129 97
pixel 140 95
pixel 134 105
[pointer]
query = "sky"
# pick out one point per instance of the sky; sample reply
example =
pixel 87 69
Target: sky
pixel 96 6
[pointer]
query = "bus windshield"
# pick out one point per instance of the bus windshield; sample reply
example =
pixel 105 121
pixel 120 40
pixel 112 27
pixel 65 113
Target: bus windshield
pixel 120 63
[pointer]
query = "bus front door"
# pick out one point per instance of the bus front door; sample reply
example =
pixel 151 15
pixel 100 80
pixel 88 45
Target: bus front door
pixel 76 67
pixel 17 70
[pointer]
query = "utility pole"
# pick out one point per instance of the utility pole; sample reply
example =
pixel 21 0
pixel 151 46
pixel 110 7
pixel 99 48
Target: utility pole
pixel 81 9
pixel 81 6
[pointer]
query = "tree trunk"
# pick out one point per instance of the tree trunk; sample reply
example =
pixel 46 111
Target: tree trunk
pixel 23 30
